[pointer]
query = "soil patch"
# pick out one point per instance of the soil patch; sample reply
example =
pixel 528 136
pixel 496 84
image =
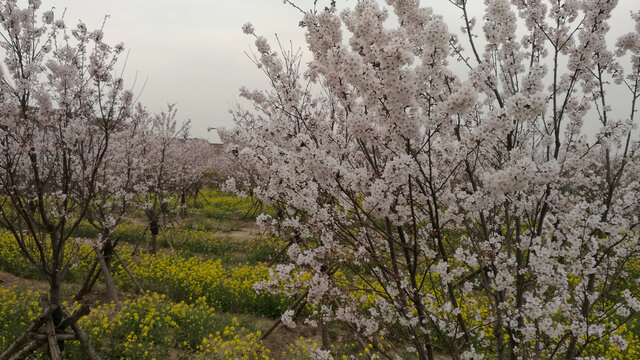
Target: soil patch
pixel 8 280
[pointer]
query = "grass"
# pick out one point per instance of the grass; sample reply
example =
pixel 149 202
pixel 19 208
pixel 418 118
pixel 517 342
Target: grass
pixel 196 241
pixel 207 224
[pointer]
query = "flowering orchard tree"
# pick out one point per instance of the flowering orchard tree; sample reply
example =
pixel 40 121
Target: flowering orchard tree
pixel 115 192
pixel 195 158
pixel 161 166
pixel 464 212
pixel 59 105
pixel 237 176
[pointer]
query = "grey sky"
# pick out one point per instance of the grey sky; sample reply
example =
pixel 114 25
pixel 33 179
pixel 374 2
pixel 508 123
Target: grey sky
pixel 192 51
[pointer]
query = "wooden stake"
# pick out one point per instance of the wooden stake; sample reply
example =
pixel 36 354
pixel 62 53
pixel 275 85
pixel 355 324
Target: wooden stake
pixel 54 350
pixel 298 306
pixel 19 342
pixel 85 345
pixel 112 291
pixel 126 269
pixel 27 350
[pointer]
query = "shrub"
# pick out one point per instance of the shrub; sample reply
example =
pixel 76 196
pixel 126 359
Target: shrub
pixel 147 327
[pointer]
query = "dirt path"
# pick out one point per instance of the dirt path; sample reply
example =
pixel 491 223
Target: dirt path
pixel 282 338
pixel 248 230
pixel 8 280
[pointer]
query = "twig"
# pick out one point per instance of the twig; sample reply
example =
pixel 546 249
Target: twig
pixel 298 305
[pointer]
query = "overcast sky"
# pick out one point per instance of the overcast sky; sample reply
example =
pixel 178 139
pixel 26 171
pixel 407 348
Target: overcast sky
pixel 192 51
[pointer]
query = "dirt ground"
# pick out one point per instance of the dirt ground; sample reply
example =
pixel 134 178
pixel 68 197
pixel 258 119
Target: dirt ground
pixel 8 280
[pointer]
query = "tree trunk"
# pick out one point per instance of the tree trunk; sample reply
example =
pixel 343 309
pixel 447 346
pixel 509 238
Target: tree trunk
pixel 325 336
pixel 88 282
pixel 183 203
pixel 111 290
pixel 55 299
pixel 153 227
pixel 54 349
pixel 153 244
pixel 106 252
pixel 126 269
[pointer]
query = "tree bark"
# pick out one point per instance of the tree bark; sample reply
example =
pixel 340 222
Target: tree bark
pixel 153 227
pixel 112 291
pixel 27 350
pixel 88 282
pixel 55 299
pixel 183 203
pixel 325 336
pixel 54 350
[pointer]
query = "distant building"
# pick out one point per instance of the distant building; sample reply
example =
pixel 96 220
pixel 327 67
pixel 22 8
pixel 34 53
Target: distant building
pixel 218 148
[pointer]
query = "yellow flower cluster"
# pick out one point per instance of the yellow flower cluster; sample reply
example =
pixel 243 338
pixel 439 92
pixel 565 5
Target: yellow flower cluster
pixel 233 343
pixel 301 349
pixel 223 205
pixel 145 328
pixel 141 329
pixel 605 349
pixel 189 278
pixel 17 309
pixel 14 261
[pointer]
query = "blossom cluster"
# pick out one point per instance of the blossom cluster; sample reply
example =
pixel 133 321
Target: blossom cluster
pixel 446 190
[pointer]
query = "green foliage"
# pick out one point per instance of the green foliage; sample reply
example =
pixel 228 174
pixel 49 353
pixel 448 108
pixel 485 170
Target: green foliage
pixel 215 204
pixel 209 271
pixel 12 259
pixel 196 241
pixel 85 230
pixel 144 328
pixel 147 327
pixel 128 232
pixel 264 250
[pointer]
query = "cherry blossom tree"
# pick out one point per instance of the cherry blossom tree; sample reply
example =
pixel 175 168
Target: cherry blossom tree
pixel 60 102
pixel 115 191
pixel 463 211
pixel 196 158
pixel 161 167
